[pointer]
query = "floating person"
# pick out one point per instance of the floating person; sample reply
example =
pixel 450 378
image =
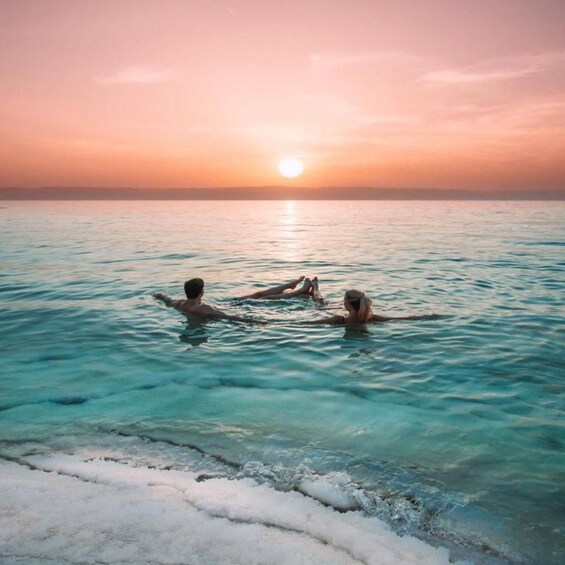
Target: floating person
pixel 359 311
pixel 194 290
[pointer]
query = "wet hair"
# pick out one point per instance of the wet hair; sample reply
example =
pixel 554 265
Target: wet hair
pixel 361 303
pixel 193 288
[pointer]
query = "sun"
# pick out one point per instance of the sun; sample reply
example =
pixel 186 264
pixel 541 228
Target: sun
pixel 291 167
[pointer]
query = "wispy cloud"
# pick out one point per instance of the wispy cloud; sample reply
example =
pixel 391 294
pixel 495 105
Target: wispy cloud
pixel 498 69
pixel 335 60
pixel 136 74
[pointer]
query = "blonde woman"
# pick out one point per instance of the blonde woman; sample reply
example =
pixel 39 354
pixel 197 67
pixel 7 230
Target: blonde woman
pixel 358 306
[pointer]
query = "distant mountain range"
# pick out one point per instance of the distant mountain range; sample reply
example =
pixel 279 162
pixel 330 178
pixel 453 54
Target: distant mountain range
pixel 273 193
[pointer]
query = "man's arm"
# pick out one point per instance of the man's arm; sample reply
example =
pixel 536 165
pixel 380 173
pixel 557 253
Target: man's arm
pixel 167 300
pixel 207 311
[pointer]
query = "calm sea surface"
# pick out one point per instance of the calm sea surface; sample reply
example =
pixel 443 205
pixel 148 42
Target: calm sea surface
pixel 449 429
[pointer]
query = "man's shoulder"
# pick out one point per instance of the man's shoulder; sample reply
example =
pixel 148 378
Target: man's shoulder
pixel 201 309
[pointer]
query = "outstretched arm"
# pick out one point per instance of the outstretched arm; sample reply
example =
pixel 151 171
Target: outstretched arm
pixel 375 318
pixel 207 311
pixel 167 300
pixel 333 320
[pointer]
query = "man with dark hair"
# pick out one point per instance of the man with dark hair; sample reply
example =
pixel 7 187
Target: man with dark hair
pixel 194 290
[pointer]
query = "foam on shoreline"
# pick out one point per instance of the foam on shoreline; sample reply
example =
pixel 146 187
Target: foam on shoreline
pixel 66 507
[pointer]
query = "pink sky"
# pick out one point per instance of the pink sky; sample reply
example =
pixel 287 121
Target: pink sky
pixel 428 93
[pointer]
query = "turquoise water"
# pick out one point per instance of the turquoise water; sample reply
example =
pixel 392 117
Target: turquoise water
pixel 449 429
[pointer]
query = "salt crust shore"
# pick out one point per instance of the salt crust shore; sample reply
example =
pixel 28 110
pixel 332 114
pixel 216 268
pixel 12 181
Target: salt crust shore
pixel 69 509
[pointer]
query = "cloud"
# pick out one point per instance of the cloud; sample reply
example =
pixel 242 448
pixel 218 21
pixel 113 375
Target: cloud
pixel 136 74
pixel 498 69
pixel 335 60
pixel 466 77
pixel 502 69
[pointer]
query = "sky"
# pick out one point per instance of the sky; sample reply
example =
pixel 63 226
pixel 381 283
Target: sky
pixel 213 93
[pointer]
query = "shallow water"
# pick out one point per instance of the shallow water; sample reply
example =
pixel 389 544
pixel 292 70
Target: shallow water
pixel 449 428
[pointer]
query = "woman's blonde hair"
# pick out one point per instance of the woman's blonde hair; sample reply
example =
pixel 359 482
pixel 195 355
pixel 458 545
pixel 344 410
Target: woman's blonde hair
pixel 361 303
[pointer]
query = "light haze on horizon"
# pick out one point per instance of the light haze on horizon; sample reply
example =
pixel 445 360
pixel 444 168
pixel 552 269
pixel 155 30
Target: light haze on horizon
pixel 430 93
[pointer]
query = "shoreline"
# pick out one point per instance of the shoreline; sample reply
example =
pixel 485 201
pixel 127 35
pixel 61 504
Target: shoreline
pixel 72 508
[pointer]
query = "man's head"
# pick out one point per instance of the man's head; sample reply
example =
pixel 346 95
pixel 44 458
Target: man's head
pixel 194 288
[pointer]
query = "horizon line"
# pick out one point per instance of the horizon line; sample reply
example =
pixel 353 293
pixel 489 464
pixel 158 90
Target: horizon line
pixel 274 193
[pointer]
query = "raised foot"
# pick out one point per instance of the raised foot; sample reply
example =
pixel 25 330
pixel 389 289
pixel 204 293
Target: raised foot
pixel 305 287
pixel 294 283
pixel 315 291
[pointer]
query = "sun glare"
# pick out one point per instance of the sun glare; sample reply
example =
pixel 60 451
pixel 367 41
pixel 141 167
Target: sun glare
pixel 291 167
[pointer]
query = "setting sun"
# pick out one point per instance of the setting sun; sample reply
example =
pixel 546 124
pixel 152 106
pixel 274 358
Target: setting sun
pixel 291 167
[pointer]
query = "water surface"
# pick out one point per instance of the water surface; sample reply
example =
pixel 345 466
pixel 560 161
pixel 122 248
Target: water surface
pixel 449 429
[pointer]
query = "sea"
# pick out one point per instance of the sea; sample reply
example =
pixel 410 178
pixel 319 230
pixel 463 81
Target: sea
pixel 130 433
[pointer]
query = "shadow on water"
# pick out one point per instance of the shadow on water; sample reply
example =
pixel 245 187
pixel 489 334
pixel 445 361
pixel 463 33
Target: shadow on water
pixel 194 333
pixel 357 332
pixel 358 341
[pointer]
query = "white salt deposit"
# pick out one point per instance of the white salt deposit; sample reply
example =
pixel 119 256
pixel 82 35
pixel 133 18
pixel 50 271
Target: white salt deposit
pixel 330 489
pixel 87 510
